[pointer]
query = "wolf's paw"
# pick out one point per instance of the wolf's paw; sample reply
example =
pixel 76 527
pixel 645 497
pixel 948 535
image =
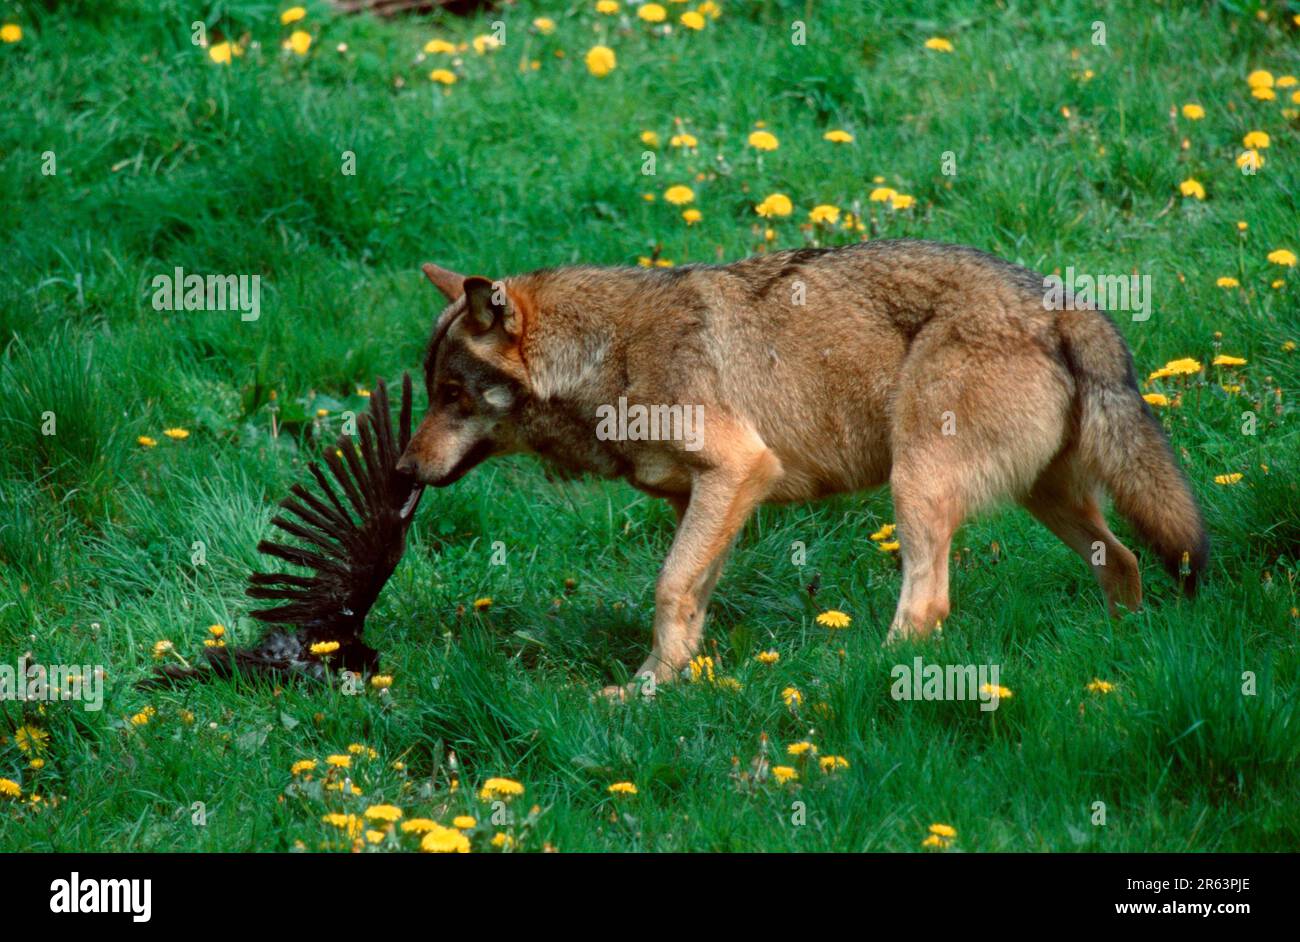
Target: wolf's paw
pixel 618 692
pixel 642 687
pixel 906 631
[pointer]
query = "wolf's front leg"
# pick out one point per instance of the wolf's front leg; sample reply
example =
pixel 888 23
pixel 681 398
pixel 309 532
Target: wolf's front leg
pixel 722 498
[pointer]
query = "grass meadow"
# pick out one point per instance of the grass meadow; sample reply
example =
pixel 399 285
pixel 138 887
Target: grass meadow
pixel 128 150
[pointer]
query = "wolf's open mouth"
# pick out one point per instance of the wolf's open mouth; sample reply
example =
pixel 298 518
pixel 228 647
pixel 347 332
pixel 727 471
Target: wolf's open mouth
pixel 409 507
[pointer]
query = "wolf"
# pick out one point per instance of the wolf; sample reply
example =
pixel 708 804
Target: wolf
pixel 936 369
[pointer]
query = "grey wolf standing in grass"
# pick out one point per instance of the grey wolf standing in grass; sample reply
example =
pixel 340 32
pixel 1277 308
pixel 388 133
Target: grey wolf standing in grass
pixel 935 368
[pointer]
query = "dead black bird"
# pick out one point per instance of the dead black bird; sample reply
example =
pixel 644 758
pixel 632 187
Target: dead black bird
pixel 353 534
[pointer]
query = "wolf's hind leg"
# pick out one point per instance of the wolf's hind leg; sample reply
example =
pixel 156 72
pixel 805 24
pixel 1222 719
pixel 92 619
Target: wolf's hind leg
pixel 970 427
pixel 1069 508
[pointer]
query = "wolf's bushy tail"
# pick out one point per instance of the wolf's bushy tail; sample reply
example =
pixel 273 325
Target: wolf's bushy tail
pixel 1121 442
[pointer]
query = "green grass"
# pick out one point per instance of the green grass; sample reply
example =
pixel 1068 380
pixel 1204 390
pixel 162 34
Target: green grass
pixel 166 159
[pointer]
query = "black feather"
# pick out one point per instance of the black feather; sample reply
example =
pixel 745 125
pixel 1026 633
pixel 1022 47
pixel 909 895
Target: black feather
pixel 349 554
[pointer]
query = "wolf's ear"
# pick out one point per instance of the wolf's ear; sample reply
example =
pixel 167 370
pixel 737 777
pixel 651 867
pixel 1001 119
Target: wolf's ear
pixel 448 282
pixel 487 306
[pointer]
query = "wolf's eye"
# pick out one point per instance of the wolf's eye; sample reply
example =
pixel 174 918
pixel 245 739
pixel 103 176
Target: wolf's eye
pixel 449 393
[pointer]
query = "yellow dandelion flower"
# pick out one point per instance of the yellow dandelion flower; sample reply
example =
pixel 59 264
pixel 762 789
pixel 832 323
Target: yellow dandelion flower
pixel 882 194
pixel 500 788
pixel 339 761
pixel 544 25
pixel 679 195
pixel 649 138
pixel 938 44
pixel 825 213
pixel 389 813
pixel 763 140
pixel 8 787
pixel 1286 81
pixel 443 76
pixel 1226 282
pixel 1193 112
pixel 441 840
pixel 1224 359
pixel 418 825
pixel 993 690
pixel 778 204
pixel 483 603
pixel 1260 78
pixel 1157 399
pixel 701 669
pixel 601 61
pixel 652 13
pixel 299 42
pixel 463 822
pixel 11 33
pixel 692 19
pixel 784 773
pixel 830 764
pixel 692 216
pixel 1263 94
pixel 324 647
pixel 145 441
pixel 838 137
pixel 301 766
pixel 292 15
pixel 1250 160
pixel 1282 257
pixel 683 140
pixel 1255 140
pixel 29 738
pixel 502 841
pixel 1190 187
pixel 162 648
pixel 884 533
pixel 946 831
pixel 348 823
pixel 439 46
pixel 791 696
pixel 607 7
pixel 710 9
pixel 804 748
pixel 901 201
pixel 1227 479
pixel 834 619
pixel 1097 685
pixel 934 840
pixel 1186 366
pixel 767 657
pixel 622 788
pixel 220 53
pixel 381 681
pixel 891 546
pixel 176 434
pixel 484 42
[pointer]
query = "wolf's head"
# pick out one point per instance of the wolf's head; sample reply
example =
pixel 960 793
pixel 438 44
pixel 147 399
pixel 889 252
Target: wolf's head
pixel 476 379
